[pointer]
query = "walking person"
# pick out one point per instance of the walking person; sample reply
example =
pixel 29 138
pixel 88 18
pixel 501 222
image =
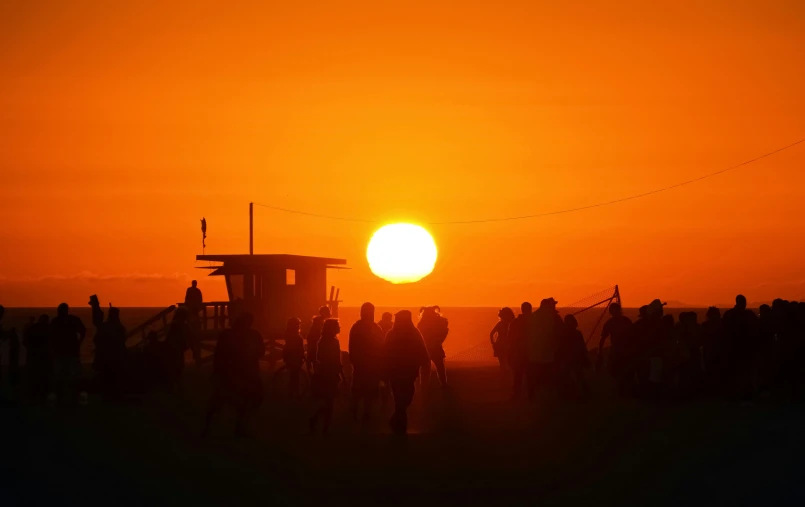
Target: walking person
pixel 404 353
pixel 327 375
pixel 433 328
pixel 365 347
pixel 518 347
pixel 293 355
pixel 236 373
pixel 67 332
pixel 499 336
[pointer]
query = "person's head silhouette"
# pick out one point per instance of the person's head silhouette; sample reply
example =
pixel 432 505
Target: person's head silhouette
pixel 62 310
pixel 506 314
pixel 740 302
pixel 713 313
pixel 615 309
pixel 368 312
pixel 526 308
pixel 403 317
pixel 194 284
pixel 331 328
pixel 386 317
pixel 571 322
pixel 324 312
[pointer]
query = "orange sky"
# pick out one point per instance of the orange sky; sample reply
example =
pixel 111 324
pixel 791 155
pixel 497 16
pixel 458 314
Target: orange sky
pixel 123 123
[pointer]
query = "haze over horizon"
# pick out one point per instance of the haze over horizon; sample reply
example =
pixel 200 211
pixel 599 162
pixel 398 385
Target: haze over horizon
pixel 123 123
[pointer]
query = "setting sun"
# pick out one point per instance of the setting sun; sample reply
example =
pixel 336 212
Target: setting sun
pixel 401 253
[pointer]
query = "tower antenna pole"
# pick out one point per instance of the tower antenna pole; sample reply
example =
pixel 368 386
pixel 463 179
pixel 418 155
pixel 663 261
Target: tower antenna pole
pixel 251 228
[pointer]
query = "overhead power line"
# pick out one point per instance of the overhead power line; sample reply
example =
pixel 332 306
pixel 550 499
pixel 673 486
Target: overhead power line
pixel 548 213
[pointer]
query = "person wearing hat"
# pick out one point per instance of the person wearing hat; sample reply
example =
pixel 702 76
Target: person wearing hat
pixel 544 334
pixel 404 353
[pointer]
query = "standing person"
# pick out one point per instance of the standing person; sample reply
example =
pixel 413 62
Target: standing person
pixel 313 337
pixel 518 347
pixel 327 374
pixel 689 355
pixel 404 353
pixel 365 348
pixel 176 342
pixel 544 333
pixel 573 359
pixel 193 299
pixel 621 353
pixel 194 302
pixel 110 355
pixel 386 322
pixel 433 328
pixel 39 359
pixel 740 330
pixel 66 334
pixel 712 345
pixel 293 354
pixel 236 372
pixel 499 336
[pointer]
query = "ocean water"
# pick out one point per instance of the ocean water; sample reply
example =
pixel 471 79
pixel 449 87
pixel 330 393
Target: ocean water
pixel 468 339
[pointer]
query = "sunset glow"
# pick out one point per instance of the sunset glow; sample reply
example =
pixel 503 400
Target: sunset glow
pixel 401 253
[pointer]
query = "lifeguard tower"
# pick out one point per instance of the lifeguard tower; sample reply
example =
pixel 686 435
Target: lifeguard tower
pixel 273 287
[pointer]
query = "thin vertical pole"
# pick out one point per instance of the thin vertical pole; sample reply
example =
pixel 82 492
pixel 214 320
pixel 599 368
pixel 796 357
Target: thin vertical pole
pixel 251 228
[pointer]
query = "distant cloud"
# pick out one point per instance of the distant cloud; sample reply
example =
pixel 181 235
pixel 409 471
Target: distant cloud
pixel 88 276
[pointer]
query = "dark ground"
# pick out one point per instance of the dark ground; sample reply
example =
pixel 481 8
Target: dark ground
pixel 470 446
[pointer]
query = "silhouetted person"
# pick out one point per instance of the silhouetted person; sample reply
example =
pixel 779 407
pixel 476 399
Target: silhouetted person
pixel 365 349
pixel 404 353
pixel 236 372
pixel 765 348
pixel 314 335
pixel 434 329
pixel 689 349
pixel 293 354
pixel 518 346
pixel 621 353
pixel 39 358
pixel 176 342
pixel 194 302
pixel 740 331
pixel 193 299
pixel 110 355
pixel 712 348
pixel 327 374
pixel 499 336
pixel 97 313
pixel 544 333
pixel 573 358
pixel 668 355
pixel 386 322
pixel 66 334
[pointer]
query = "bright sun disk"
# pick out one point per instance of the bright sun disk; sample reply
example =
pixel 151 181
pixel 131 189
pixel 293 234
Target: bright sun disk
pixel 401 253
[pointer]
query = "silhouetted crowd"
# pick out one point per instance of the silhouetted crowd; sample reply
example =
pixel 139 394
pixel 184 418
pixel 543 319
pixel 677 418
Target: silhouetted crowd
pixel 739 355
